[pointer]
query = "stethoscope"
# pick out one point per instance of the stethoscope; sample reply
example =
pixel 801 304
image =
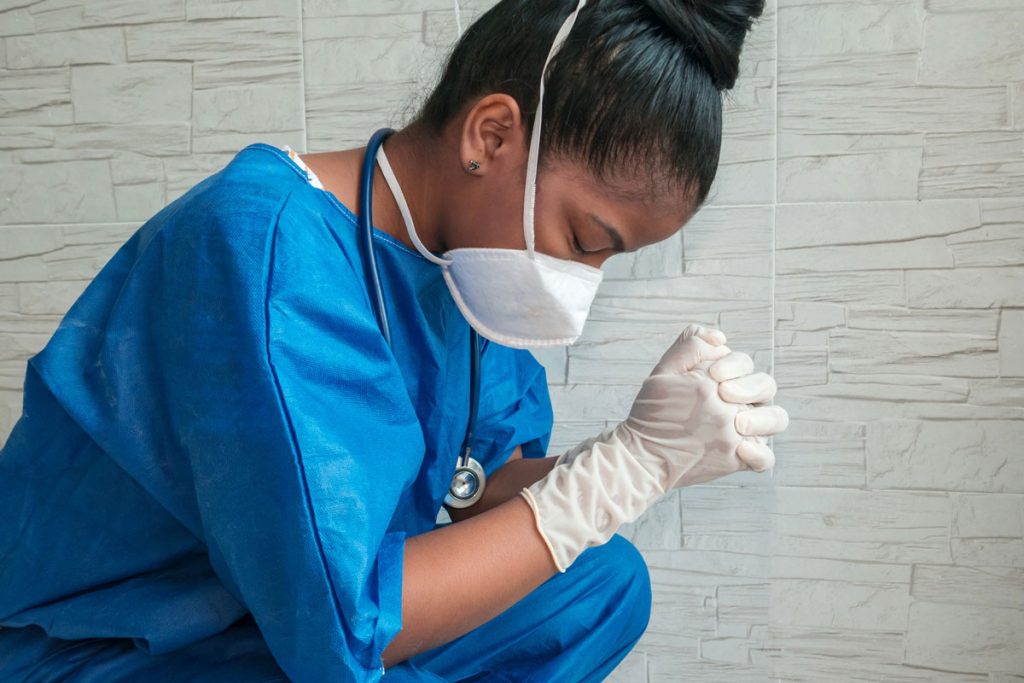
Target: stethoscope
pixel 469 480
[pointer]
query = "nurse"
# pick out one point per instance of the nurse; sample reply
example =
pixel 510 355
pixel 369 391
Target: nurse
pixel 225 471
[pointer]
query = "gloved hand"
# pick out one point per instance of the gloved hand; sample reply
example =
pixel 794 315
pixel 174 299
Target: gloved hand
pixel 691 422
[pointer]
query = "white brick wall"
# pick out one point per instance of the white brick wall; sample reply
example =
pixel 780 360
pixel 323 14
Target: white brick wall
pixel 864 242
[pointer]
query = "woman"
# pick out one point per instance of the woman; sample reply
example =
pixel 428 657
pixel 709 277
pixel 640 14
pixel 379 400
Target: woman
pixel 225 471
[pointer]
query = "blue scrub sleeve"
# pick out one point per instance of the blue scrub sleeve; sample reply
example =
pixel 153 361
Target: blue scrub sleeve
pixel 515 407
pixel 302 438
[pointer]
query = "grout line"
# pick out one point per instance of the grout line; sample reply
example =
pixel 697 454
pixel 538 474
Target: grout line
pixel 302 78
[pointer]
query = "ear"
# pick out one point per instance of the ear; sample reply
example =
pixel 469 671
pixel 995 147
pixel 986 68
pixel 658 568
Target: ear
pixel 493 135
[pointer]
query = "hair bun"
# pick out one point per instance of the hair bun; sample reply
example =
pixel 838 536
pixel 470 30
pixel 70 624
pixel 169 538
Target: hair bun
pixel 713 30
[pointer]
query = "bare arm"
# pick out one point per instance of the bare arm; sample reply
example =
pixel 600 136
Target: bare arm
pixel 460 576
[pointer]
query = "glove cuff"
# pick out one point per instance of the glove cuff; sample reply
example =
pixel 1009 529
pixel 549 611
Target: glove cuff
pixel 582 503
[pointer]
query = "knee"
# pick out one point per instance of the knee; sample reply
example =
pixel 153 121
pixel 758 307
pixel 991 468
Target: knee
pixel 622 571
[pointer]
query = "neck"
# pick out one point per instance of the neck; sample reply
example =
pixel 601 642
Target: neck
pixel 419 162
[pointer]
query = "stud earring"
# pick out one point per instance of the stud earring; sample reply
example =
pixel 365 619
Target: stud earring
pixel 473 166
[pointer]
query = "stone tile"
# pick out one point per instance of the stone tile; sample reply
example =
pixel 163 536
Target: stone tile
pixel 948 455
pixel 726 518
pixel 871 223
pixel 340 118
pixel 896 109
pixel 973 48
pixel 852 524
pixel 815 29
pixel 965 288
pixel 57 15
pixel 899 319
pixel 49 106
pixel 800 366
pixel 839 603
pixel 237 39
pixel 808 316
pixel 249 110
pixel 229 143
pixel 50 193
pixel 81 46
pixel 965 637
pixel 16 21
pixel 729 241
pixel 1017 92
pixel 999 241
pixel 224 9
pixel 667 666
pixel 553 358
pixel 706 568
pixel 987 515
pixel 974 586
pixel 814 654
pixel 860 69
pixel 48 298
pixel 160 139
pixel 978 163
pixel 848 398
pixel 235 73
pixel 632 669
pixel 127 93
pixel 1011 344
pixel 931 353
pixel 996 392
pixel 828 167
pixel 930 252
pixel 819 453
pixel 988 552
pixel 873 287
pixel 390 59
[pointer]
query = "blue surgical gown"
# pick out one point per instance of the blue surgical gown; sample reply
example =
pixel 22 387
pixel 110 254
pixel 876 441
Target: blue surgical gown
pixel 218 429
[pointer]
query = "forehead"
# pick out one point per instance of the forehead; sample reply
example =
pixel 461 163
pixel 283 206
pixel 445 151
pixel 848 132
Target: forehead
pixel 644 212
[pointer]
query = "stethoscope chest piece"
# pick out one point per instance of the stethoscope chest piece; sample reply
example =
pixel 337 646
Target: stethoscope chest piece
pixel 467 485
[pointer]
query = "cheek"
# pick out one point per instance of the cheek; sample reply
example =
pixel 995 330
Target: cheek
pixel 490 220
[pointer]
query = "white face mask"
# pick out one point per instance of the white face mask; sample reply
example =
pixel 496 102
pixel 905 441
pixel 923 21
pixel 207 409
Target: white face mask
pixel 516 297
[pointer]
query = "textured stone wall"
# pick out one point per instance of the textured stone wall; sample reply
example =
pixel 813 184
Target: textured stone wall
pixel 864 242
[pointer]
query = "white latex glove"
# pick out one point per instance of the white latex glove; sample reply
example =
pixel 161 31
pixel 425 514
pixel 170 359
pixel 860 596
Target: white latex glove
pixel 680 431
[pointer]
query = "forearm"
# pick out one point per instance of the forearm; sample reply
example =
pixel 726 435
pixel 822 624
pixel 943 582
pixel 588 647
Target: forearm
pixel 506 482
pixel 460 576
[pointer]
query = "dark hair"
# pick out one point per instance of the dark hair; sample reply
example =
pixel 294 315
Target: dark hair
pixel 636 88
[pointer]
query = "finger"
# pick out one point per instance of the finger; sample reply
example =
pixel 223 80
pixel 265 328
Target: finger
pixel 711 335
pixel 686 353
pixel 736 364
pixel 758 387
pixel 714 353
pixel 756 454
pixel 761 421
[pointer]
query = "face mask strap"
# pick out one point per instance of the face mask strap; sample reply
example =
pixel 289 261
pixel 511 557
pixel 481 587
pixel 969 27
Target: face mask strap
pixel 403 207
pixel 532 159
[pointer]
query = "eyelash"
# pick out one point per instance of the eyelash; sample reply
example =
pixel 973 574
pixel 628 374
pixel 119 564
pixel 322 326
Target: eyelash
pixel 576 245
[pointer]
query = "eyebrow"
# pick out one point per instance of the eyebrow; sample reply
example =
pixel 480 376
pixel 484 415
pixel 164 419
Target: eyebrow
pixel 611 230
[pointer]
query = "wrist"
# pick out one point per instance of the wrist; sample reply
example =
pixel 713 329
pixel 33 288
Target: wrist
pixel 583 503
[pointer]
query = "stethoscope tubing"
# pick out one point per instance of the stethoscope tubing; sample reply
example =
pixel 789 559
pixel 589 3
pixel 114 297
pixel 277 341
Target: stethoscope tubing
pixel 377 292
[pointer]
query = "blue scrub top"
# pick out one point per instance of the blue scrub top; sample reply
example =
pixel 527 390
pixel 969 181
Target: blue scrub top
pixel 219 427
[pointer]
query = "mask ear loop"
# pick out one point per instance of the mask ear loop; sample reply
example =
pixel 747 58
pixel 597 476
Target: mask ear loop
pixel 532 159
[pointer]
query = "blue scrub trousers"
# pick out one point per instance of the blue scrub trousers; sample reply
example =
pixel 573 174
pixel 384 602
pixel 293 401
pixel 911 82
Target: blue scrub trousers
pixel 576 626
